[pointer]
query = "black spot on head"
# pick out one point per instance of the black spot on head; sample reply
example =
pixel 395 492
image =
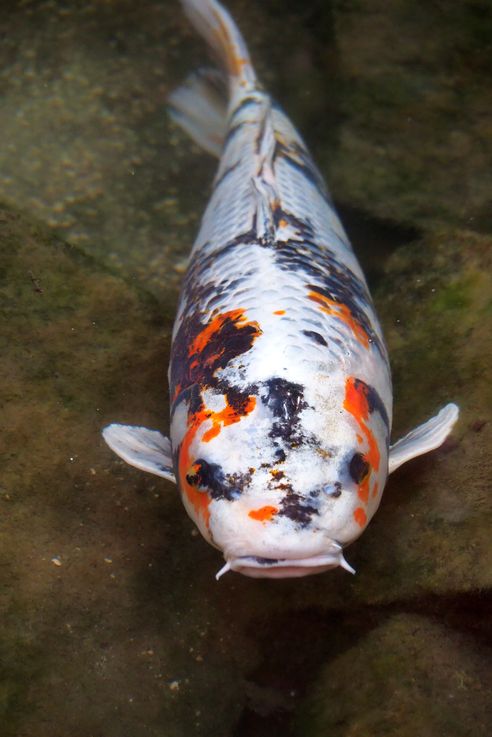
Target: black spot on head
pixel 210 478
pixel 286 401
pixel 374 401
pixel 280 454
pixel 338 489
pixel 298 509
pixel 358 468
pixel 284 398
pixel 315 336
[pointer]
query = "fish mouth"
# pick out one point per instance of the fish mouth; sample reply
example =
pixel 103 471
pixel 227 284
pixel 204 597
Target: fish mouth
pixel 257 567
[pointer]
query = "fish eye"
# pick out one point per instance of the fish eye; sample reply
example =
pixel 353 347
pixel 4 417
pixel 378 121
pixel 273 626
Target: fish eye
pixel 193 475
pixel 358 468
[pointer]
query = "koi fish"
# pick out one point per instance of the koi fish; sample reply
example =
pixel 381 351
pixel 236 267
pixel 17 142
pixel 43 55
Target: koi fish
pixel 281 398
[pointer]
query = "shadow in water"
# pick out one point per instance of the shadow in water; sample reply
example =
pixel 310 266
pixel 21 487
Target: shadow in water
pixel 296 645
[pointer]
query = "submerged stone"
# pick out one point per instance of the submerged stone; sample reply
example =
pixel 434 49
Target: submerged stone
pixel 409 676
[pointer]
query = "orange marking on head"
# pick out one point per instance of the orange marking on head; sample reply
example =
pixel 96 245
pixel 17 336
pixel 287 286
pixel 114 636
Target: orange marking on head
pixel 283 222
pixel 198 499
pixel 363 490
pixel 227 416
pixel 211 433
pixel 356 403
pixel 279 312
pixel 360 439
pixel 263 514
pixel 360 517
pixel 338 309
pixel 375 489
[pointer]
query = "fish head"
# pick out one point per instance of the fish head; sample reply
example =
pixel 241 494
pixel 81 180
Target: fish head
pixel 280 486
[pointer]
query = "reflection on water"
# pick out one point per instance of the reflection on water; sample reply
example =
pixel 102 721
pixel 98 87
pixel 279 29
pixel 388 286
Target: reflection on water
pixel 112 621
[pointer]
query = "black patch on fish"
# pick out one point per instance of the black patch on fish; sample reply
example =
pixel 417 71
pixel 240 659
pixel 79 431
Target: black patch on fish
pixel 315 336
pixel 299 158
pixel 232 337
pixel 298 509
pixel 328 277
pixel 374 401
pixel 280 454
pixel 358 467
pixel 210 478
pixel 286 401
pixel 303 227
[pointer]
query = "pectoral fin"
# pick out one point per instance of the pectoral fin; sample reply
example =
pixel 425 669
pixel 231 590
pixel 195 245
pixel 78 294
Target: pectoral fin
pixel 145 449
pixel 423 438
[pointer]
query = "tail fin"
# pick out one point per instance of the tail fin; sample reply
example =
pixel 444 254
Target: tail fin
pixel 215 25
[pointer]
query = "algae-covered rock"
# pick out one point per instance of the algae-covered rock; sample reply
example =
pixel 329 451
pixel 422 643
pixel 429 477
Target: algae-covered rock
pixel 88 646
pixel 409 676
pixel 415 142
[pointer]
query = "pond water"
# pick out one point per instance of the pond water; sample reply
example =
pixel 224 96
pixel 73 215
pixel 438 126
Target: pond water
pixel 112 621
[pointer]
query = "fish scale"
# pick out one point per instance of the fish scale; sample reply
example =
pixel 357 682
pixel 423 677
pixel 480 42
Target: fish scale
pixel 279 377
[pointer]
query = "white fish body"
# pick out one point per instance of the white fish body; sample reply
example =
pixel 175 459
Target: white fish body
pixel 281 397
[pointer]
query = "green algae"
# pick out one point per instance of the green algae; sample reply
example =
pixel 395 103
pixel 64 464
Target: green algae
pixel 410 675
pixel 415 141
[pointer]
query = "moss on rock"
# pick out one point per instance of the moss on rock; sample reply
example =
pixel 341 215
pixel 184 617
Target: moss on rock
pixel 409 676
pixel 414 144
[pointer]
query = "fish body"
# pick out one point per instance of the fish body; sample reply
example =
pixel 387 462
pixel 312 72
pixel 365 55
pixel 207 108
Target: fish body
pixel 281 398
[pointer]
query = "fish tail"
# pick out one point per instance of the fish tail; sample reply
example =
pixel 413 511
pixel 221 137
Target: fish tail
pixel 199 106
pixel 215 25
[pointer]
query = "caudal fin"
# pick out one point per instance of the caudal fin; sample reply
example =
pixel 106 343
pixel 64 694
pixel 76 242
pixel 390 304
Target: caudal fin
pixel 198 105
pixel 217 28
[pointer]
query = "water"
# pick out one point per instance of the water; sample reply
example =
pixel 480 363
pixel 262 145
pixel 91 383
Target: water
pixel 112 622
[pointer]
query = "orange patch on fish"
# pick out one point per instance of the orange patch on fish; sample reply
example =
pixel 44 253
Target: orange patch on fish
pixel 198 499
pixel 360 517
pixel 356 403
pixel 227 416
pixel 363 490
pixel 279 312
pixel 375 490
pixel 263 514
pixel 214 337
pixel 337 309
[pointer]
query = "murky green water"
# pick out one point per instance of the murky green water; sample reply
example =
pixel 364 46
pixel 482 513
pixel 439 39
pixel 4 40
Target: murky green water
pixel 112 622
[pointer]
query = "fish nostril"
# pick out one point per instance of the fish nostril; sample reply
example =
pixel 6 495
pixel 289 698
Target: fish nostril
pixel 333 490
pixel 338 489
